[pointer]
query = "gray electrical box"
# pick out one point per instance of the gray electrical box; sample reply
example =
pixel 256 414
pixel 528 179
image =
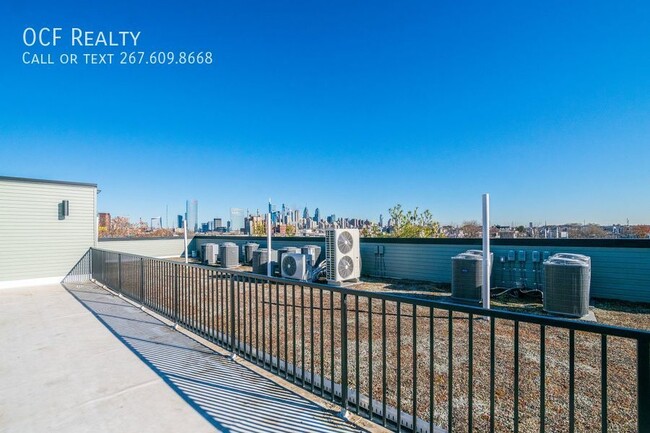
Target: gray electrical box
pixel 521 256
pixel 536 258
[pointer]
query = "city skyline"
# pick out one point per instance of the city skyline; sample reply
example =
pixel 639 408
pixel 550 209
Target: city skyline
pixel 242 212
pixel 348 107
pixel 307 225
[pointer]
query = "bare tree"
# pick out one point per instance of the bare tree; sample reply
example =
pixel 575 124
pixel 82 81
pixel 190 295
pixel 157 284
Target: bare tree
pixel 471 229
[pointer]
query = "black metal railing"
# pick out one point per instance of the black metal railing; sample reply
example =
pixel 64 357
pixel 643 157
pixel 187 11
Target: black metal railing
pixel 406 363
pixel 82 270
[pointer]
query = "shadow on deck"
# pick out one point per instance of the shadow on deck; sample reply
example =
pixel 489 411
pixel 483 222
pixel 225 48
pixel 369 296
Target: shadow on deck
pixel 229 395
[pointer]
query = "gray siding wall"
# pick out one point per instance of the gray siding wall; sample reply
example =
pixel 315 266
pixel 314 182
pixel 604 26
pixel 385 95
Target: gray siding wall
pixel 621 273
pixel 145 247
pixel 35 243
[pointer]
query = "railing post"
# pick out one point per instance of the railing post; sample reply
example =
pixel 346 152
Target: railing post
pixel 119 273
pixel 232 313
pixel 643 384
pixel 142 280
pixel 90 264
pixel 176 293
pixel 344 351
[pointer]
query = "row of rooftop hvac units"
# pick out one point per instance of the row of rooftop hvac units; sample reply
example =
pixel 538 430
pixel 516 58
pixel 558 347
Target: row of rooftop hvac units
pixel 226 254
pixel 567 281
pixel 342 261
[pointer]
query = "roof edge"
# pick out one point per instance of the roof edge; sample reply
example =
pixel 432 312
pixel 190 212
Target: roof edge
pixel 57 182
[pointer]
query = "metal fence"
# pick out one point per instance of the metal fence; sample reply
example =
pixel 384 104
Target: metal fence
pixel 407 363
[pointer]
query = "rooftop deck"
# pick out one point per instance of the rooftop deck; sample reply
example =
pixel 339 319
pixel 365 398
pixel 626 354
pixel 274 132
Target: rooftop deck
pixel 98 363
pixel 301 349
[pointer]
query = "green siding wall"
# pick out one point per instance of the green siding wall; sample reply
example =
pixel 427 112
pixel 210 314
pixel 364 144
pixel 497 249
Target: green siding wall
pixel 35 243
pixel 620 269
pixel 617 273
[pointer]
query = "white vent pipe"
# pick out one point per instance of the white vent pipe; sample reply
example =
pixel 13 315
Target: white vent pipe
pixel 185 239
pixel 269 269
pixel 486 251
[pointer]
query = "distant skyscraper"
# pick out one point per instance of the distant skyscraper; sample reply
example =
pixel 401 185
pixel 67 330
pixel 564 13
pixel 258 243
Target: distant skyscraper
pixel 271 212
pixel 216 223
pixel 195 203
pixel 179 221
pixel 236 219
pixel 381 220
pixel 317 215
pixel 305 213
pixel 192 215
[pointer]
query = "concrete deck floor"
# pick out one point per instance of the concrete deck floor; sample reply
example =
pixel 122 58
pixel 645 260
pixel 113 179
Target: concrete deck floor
pixel 97 363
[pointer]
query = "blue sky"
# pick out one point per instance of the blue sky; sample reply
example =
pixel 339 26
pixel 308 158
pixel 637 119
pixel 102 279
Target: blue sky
pixel 351 107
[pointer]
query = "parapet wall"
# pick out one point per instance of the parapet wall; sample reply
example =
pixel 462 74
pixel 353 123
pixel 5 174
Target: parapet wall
pixel 620 267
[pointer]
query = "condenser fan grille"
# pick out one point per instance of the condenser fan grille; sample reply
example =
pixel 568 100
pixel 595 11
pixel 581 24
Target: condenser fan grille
pixel 289 265
pixel 346 267
pixel 345 242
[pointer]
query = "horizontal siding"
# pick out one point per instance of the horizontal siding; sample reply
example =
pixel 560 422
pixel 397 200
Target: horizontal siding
pixel 617 273
pixel 621 273
pixel 36 244
pixel 145 247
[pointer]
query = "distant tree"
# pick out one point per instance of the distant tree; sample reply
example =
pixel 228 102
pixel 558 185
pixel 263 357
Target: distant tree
pixel 641 231
pixel 371 230
pixel 160 233
pixel 141 228
pixel 592 231
pixel 413 224
pixel 586 231
pixel 120 227
pixel 520 229
pixel 471 229
pixel 291 230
